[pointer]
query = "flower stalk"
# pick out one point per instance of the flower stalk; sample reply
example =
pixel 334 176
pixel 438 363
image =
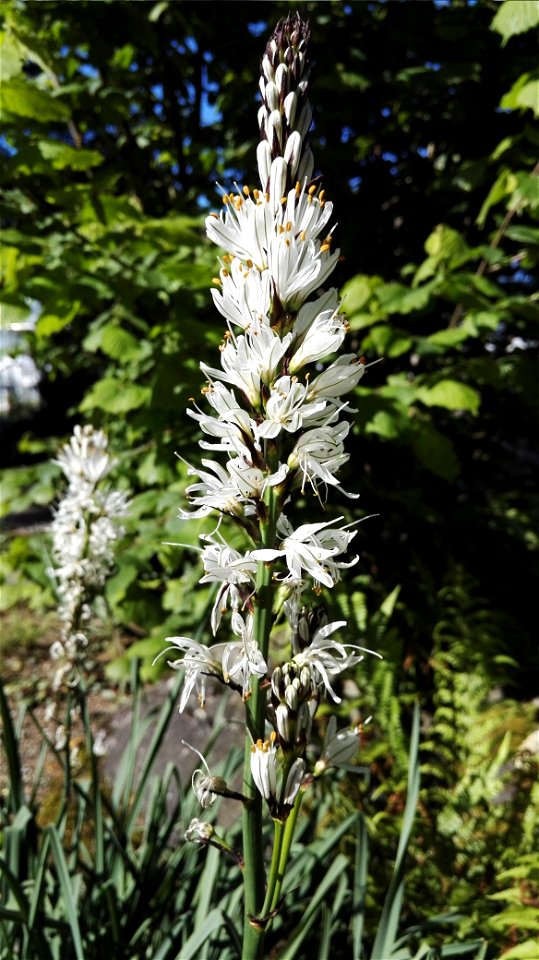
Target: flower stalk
pixel 274 429
pixel 85 529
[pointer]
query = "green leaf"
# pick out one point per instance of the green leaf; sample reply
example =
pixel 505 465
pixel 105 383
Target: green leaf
pixel 115 396
pixel 50 323
pixel 523 918
pixel 385 425
pixel 388 605
pixel 515 16
pixel 449 338
pixel 527 191
pixel 118 343
pixel 358 291
pixel 436 452
pixel 118 584
pixel 157 10
pixel 68 887
pixel 523 951
pixel 523 234
pixel 389 919
pixel 22 99
pixel 450 394
pixel 387 341
pixel 523 94
pixel 397 298
pixel 62 156
pixel 13 313
pixel 175 230
pixel 446 244
pixel 11 61
pixel 505 184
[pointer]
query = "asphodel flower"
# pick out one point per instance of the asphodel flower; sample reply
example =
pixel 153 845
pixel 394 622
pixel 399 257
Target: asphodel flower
pixel 276 417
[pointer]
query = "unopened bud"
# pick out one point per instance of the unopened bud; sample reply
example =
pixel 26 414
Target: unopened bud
pixel 199 832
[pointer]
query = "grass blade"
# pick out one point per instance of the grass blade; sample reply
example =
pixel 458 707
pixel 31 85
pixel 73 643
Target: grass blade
pixel 70 905
pixel 9 739
pixel 191 949
pixel 360 887
pixel 337 868
pixel 389 919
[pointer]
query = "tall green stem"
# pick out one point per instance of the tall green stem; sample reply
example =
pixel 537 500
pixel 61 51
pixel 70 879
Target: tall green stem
pixel 274 867
pixel 286 843
pixel 253 850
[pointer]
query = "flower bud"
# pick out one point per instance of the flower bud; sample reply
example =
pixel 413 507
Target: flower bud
pixel 293 781
pixel 282 721
pixel 199 832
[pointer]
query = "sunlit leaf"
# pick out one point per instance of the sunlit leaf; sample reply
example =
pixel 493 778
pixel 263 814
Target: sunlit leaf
pixel 515 16
pixel 113 396
pixel 63 156
pixel 25 100
pixel 450 394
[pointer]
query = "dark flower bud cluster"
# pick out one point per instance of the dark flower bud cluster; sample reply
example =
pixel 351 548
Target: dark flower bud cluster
pixel 285 116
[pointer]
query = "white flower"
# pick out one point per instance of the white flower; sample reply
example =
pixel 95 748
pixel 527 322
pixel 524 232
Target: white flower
pixel 232 491
pixel 232 426
pixel 99 746
pixel 283 239
pixel 264 767
pixel 319 454
pixel 223 563
pixel 323 336
pixel 250 360
pixel 340 377
pixel 85 456
pixel 242 659
pixel 198 662
pixel 326 658
pixel 286 408
pixel 84 532
pixel 312 547
pixel 339 747
pixel 293 781
pixel 252 482
pixel 244 295
pixel 243 227
pixel 214 491
pixel 205 787
pixel 298 267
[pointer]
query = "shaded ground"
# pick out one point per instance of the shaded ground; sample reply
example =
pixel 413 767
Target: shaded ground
pixel 27 674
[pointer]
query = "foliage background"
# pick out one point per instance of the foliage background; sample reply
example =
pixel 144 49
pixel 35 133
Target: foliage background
pixel 119 117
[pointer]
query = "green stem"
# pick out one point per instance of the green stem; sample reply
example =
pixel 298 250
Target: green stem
pixel 286 843
pixel 274 867
pixel 253 848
